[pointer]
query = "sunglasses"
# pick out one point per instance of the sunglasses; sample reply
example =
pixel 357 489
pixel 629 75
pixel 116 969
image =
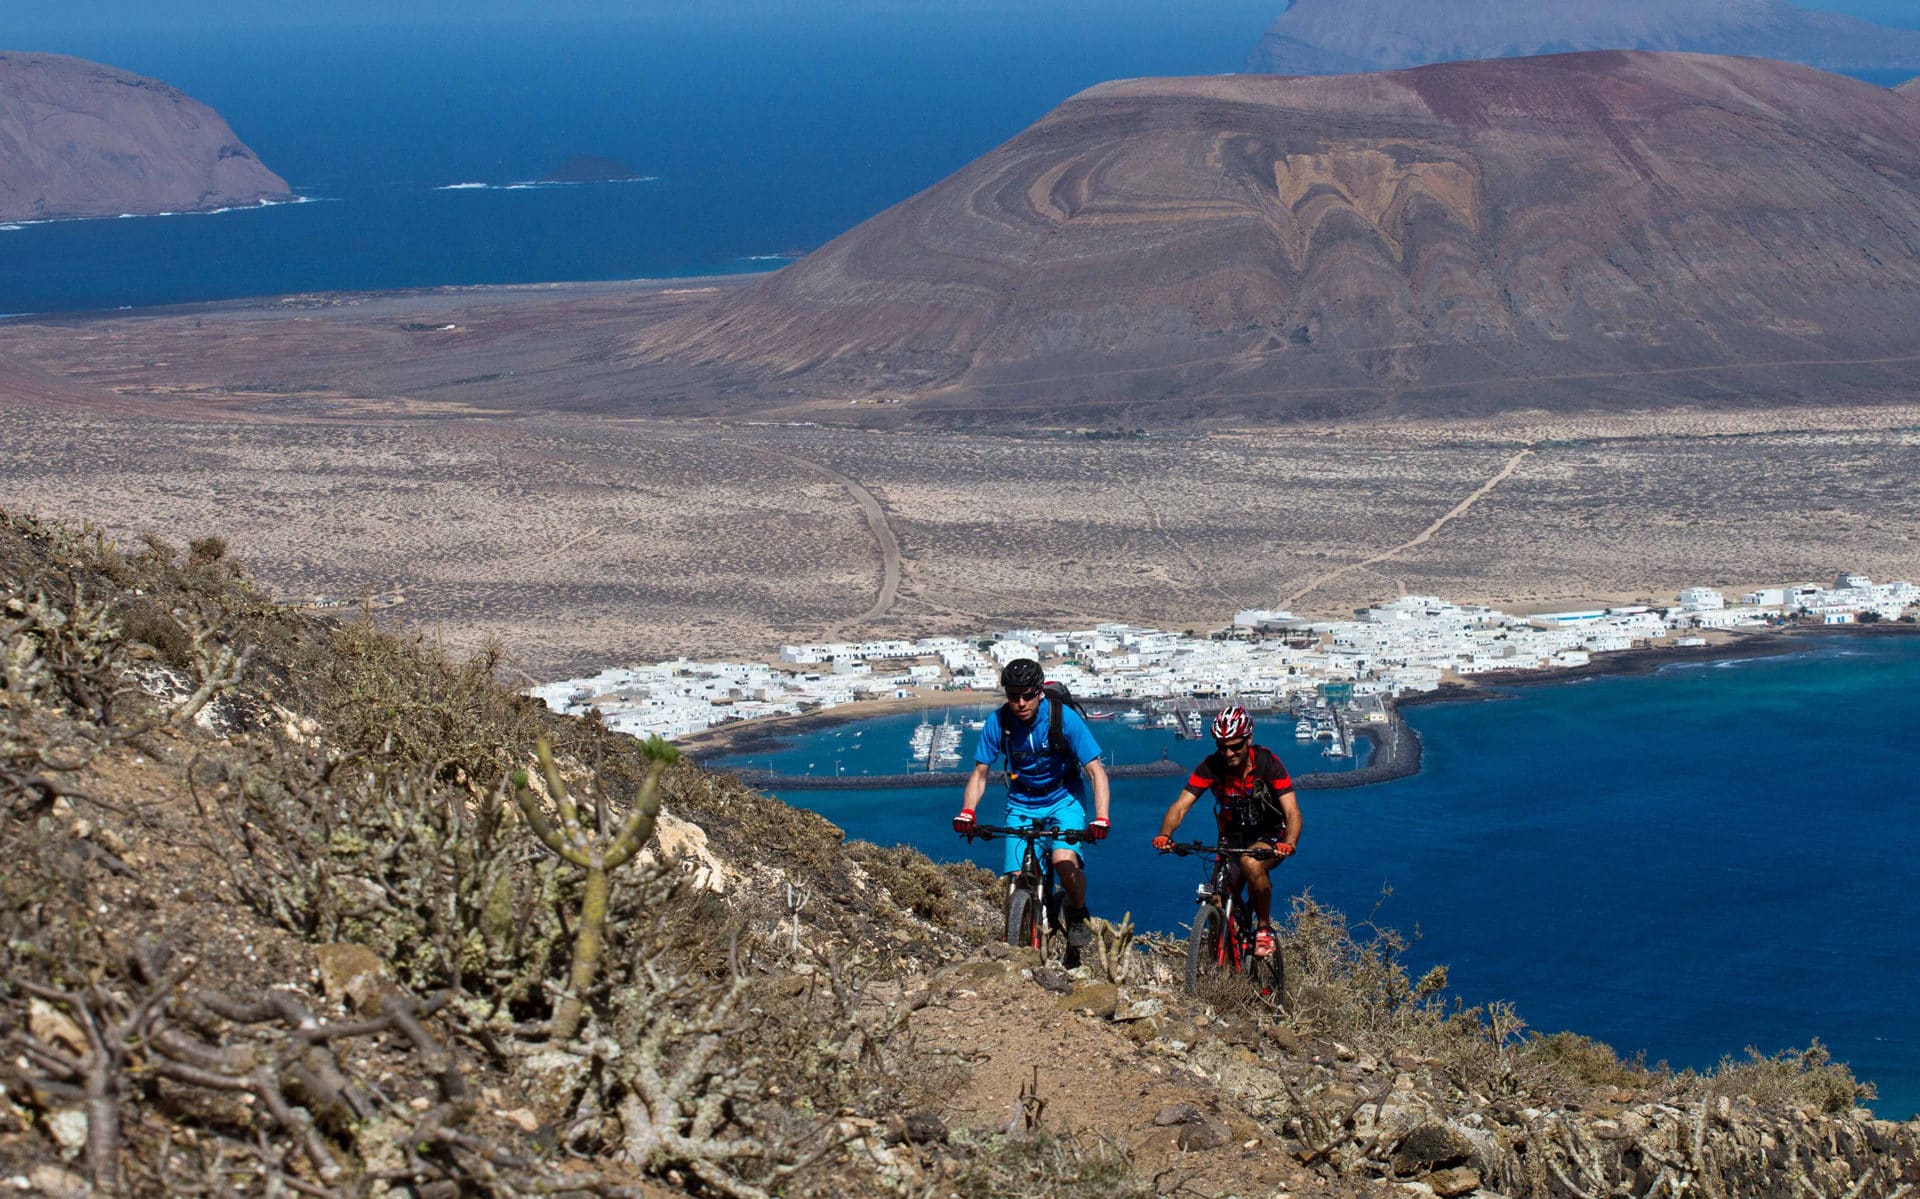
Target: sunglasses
pixel 1234 747
pixel 1022 696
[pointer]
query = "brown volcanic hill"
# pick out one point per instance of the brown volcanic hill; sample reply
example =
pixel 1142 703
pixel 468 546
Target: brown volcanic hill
pixel 78 139
pixel 1910 88
pixel 1329 37
pixel 1623 227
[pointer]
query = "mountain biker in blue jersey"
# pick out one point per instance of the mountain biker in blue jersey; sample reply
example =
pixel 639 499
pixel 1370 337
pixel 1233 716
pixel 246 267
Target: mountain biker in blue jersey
pixel 1044 780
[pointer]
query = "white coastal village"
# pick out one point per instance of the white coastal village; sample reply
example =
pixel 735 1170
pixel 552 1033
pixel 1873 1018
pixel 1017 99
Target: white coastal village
pixel 1264 659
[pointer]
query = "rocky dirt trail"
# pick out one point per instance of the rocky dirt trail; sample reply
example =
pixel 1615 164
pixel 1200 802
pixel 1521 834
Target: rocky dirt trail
pixel 1033 1046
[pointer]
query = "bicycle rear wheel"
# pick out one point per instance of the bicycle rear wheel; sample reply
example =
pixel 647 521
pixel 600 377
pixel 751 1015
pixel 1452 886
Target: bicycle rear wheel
pixel 1023 919
pixel 1203 945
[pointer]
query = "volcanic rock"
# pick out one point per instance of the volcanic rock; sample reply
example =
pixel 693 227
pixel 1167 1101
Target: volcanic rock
pixel 78 139
pixel 1620 229
pixel 586 168
pixel 1328 37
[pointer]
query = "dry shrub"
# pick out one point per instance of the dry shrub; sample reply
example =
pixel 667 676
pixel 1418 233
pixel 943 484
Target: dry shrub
pixel 1048 1165
pixel 1225 991
pixel 811 844
pixel 1584 1062
pixel 150 624
pixel 1792 1078
pixel 422 707
pixel 947 896
pixel 204 551
pixel 1356 987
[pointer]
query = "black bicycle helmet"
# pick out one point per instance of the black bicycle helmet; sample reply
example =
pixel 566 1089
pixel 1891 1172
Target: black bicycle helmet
pixel 1021 673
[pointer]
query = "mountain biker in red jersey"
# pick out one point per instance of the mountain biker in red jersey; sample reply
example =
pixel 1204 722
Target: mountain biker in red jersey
pixel 1254 801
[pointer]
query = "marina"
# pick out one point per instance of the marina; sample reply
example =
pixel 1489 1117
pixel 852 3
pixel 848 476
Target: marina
pixel 935 745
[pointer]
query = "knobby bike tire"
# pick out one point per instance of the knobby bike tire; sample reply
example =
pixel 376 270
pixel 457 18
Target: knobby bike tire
pixel 1022 920
pixel 1203 944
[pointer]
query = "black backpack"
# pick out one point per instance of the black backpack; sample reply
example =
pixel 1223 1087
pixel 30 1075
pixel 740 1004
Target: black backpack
pixel 1061 699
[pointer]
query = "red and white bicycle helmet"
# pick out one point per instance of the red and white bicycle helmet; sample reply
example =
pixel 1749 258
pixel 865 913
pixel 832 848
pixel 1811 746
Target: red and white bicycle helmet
pixel 1232 724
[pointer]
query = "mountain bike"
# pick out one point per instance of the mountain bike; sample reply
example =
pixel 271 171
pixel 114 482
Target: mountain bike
pixel 1033 906
pixel 1222 936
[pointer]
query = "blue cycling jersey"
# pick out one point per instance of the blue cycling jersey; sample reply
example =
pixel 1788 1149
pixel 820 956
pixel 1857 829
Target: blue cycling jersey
pixel 1038 776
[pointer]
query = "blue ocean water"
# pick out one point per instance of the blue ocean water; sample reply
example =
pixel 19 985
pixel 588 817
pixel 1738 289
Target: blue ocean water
pixel 769 131
pixel 1687 863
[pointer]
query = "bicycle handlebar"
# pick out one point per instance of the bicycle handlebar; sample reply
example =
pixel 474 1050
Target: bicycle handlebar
pixel 1036 832
pixel 1256 852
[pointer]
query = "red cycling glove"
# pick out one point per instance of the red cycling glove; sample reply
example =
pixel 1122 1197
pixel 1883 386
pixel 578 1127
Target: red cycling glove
pixel 1097 831
pixel 1163 843
pixel 963 823
pixel 1282 850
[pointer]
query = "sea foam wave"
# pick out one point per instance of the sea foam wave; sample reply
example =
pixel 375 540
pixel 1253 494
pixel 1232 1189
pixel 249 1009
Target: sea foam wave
pixel 136 216
pixel 535 184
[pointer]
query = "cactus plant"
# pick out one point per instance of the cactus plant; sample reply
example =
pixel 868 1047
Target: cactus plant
pixel 580 838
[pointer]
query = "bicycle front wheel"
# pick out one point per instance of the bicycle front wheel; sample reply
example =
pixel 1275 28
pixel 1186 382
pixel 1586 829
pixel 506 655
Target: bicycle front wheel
pixel 1023 919
pixel 1269 976
pixel 1203 945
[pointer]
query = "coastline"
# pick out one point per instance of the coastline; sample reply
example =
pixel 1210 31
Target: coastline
pixel 1396 747
pixel 420 296
pixel 777 732
pixel 1626 663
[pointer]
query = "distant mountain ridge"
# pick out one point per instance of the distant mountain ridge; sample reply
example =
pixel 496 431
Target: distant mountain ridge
pixel 1327 37
pixel 78 139
pixel 1606 229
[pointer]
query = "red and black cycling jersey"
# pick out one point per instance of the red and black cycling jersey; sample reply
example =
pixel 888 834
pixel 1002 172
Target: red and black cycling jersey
pixel 1249 801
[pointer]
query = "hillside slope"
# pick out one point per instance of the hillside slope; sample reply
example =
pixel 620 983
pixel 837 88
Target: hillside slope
pixel 1327 37
pixel 269 914
pixel 1562 232
pixel 78 139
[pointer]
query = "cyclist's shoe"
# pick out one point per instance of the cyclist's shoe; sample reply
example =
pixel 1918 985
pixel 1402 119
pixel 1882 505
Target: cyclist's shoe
pixel 1079 932
pixel 1264 943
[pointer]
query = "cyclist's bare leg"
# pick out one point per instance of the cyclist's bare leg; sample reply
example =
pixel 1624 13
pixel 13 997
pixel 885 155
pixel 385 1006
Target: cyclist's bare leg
pixel 1071 879
pixel 1259 886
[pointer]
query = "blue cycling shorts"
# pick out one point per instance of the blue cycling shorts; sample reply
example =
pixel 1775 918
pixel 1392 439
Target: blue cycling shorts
pixel 1065 812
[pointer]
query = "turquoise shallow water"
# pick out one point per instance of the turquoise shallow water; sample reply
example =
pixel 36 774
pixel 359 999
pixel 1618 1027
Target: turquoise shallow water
pixel 1686 863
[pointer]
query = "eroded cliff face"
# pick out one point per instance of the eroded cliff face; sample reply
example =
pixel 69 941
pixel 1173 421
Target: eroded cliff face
pixel 1324 37
pixel 78 139
pixel 1609 228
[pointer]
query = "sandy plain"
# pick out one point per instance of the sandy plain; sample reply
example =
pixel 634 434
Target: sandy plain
pixel 511 477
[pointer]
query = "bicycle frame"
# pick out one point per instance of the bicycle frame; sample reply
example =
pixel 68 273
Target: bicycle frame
pixel 1230 946
pixel 1030 908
